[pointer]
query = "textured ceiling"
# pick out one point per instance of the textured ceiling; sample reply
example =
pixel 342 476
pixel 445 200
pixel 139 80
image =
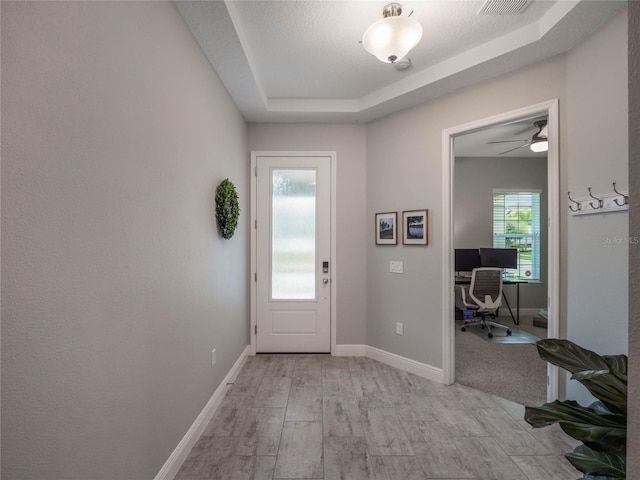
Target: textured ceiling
pixel 287 61
pixel 313 46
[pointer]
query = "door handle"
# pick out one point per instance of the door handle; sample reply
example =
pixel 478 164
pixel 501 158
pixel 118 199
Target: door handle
pixel 325 280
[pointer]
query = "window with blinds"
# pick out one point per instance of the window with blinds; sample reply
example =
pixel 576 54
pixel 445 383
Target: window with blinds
pixel 516 224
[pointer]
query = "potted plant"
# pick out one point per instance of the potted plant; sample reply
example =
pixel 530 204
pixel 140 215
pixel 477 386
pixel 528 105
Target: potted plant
pixel 601 426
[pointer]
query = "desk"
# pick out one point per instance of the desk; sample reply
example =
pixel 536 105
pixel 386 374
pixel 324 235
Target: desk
pixel 516 320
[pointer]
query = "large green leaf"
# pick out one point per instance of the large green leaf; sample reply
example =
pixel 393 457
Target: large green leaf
pixel 604 377
pixel 605 432
pixel 571 410
pixel 588 461
pixel 618 365
pixel 598 438
pixel 599 407
pixel 570 356
pixel 588 374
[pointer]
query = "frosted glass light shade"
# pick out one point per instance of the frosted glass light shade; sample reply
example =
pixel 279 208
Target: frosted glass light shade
pixel 391 38
pixel 541 145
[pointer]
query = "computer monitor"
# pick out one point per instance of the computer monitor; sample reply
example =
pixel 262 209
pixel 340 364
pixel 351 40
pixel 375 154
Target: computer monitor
pixel 499 257
pixel 467 259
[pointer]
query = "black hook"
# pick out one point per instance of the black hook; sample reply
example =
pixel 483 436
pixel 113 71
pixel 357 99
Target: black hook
pixel 625 198
pixel 600 202
pixel 578 204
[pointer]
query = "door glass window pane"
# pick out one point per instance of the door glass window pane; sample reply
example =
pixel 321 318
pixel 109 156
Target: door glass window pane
pixel 293 234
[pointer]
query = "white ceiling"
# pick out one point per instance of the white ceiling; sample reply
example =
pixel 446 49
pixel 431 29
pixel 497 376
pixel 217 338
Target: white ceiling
pixel 516 136
pixel 287 61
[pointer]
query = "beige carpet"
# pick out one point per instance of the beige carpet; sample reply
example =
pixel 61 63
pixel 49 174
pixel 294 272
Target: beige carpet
pixel 511 371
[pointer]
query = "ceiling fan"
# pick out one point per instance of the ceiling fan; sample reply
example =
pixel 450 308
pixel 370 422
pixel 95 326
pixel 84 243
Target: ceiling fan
pixel 537 143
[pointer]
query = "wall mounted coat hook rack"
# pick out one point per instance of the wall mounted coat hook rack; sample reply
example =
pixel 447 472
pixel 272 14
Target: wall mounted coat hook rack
pixel 602 203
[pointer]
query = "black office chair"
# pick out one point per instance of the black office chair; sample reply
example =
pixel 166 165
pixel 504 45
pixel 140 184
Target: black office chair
pixel 484 298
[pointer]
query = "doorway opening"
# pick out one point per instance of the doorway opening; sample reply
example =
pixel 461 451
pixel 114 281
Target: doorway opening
pixel 548 111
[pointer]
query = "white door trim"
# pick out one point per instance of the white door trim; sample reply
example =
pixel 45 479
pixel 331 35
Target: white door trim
pixel 553 182
pixel 253 246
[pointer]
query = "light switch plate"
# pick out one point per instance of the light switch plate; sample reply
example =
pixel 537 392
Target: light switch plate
pixel 396 267
pixel 399 328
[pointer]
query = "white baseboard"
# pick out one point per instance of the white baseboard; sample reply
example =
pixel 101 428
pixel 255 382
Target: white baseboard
pixel 351 350
pixel 179 455
pixel 406 364
pixel 403 363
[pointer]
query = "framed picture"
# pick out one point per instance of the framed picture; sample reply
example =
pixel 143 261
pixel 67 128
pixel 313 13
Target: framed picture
pixel 387 228
pixel 415 227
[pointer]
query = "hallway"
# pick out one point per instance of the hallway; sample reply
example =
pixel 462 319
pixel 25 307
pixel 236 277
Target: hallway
pixel 323 417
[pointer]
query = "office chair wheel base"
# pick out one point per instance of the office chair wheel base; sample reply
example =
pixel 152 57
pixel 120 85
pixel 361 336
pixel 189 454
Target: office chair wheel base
pixel 490 335
pixel 509 332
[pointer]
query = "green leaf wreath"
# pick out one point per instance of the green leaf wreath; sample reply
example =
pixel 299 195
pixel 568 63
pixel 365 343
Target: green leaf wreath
pixel 227 208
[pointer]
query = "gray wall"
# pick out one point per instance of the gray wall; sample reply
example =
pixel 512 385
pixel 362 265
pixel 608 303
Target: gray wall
pixel 634 233
pixel 406 173
pixel 597 155
pixel 475 179
pixel 115 282
pixel 348 141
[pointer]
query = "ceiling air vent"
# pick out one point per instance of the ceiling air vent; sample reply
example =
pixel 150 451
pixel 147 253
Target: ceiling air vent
pixel 503 7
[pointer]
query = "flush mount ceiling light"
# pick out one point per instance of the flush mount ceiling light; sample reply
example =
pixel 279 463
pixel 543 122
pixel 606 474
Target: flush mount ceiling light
pixel 539 141
pixel 392 38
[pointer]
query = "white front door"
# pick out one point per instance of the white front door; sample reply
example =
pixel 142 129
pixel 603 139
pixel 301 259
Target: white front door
pixel 293 252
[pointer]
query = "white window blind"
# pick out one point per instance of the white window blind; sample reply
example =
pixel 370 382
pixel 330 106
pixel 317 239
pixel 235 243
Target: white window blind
pixel 516 224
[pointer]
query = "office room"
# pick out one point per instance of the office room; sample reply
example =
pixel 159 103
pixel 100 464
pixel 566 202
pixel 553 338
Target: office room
pixel 500 197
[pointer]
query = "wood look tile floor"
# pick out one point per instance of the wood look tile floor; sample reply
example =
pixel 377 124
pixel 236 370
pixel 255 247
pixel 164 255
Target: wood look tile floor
pixel 352 418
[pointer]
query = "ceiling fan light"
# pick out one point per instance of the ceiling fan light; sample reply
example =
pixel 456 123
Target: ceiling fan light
pixel 540 141
pixel 539 144
pixel 392 38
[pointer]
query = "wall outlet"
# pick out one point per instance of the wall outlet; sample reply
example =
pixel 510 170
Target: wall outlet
pixel 396 267
pixel 213 357
pixel 399 328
